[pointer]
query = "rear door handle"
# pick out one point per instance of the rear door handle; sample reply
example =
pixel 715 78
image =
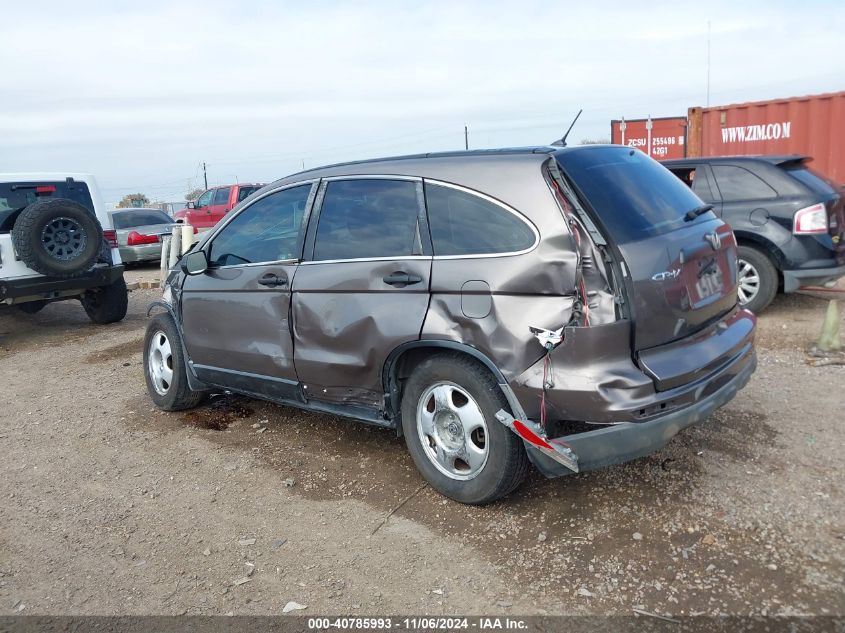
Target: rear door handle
pixel 401 279
pixel 273 280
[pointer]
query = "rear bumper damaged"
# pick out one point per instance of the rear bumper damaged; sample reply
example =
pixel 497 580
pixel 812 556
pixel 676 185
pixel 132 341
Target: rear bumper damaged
pixel 626 441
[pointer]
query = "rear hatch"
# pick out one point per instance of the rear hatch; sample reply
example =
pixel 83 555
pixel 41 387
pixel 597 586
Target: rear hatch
pixel 678 259
pixel 829 194
pixel 16 196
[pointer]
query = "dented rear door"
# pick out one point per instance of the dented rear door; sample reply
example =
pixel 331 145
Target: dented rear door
pixel 364 289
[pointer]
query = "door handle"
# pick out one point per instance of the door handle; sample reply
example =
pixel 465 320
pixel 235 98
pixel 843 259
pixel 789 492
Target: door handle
pixel 401 279
pixel 273 280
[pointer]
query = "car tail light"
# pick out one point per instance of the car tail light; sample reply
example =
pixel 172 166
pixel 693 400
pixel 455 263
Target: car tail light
pixel 137 239
pixel 811 220
pixel 196 230
pixel 110 237
pixel 45 189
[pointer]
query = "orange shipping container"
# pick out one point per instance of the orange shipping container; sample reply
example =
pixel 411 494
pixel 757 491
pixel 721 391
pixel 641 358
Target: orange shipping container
pixel 811 126
pixel 666 140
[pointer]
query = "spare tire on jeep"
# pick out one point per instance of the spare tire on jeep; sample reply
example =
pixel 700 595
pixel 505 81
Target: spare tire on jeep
pixel 57 238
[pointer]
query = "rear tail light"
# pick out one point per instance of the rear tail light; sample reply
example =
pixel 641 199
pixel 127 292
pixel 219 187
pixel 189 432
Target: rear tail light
pixel 196 230
pixel 137 239
pixel 45 189
pixel 110 237
pixel 811 220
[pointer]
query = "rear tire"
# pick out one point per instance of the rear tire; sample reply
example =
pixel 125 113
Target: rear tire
pixel 757 277
pixel 448 409
pixel 107 304
pixel 57 238
pixel 165 367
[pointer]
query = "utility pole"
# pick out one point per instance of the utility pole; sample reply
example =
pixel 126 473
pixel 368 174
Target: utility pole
pixel 205 175
pixel 466 138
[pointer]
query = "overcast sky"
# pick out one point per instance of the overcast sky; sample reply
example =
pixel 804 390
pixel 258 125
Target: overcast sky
pixel 140 93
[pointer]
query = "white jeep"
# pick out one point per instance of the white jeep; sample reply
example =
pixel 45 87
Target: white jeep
pixel 57 242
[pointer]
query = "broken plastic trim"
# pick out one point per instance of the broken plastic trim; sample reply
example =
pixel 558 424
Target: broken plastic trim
pixel 549 339
pixel 534 435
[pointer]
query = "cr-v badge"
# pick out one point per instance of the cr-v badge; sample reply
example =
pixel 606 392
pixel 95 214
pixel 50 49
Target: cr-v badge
pixel 667 274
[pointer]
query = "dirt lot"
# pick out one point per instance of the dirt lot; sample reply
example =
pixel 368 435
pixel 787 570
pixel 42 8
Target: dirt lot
pixel 110 506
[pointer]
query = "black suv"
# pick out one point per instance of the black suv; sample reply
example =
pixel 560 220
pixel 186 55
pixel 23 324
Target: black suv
pixel 788 220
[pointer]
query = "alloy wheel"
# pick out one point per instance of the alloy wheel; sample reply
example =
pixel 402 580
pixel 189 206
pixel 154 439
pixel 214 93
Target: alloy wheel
pixel 160 363
pixel 749 282
pixel 452 431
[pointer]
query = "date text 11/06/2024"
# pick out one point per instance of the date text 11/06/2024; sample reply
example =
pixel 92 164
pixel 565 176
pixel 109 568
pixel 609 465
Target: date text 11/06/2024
pixel 417 623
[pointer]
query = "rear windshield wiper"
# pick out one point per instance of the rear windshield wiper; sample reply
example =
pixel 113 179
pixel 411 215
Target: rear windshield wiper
pixel 692 215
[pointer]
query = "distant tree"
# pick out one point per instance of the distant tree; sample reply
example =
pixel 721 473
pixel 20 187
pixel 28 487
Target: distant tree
pixel 133 200
pixel 595 141
pixel 193 195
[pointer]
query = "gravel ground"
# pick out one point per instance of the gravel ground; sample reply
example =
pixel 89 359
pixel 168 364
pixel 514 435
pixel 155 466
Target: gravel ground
pixel 112 507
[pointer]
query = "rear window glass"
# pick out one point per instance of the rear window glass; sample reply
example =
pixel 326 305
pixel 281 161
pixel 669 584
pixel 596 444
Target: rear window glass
pixel 634 195
pixel 466 224
pixel 143 217
pixel 737 183
pixel 816 182
pixel 368 218
pixel 14 197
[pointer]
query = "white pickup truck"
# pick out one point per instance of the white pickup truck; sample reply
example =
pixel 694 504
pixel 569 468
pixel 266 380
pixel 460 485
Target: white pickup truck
pixel 56 243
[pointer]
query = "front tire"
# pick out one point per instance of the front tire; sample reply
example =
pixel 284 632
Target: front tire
pixel 165 367
pixel 448 419
pixel 757 278
pixel 107 304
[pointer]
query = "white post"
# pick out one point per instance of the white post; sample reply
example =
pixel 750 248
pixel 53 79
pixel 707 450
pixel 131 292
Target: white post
pixel 165 257
pixel 187 238
pixel 175 243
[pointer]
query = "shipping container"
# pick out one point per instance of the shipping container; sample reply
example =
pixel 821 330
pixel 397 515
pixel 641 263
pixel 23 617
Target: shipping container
pixel 811 126
pixel 666 139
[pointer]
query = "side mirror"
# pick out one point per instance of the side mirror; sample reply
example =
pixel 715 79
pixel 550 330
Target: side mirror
pixel 192 205
pixel 194 263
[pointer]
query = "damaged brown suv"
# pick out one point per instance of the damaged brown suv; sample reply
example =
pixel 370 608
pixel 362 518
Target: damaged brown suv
pixel 569 308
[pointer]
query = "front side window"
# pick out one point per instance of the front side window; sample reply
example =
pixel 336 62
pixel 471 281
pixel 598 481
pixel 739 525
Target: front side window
pixel 205 199
pixel 269 230
pixel 221 196
pixel 363 219
pixel 737 183
pixel 466 224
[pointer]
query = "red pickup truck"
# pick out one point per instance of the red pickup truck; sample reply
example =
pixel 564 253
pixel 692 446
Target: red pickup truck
pixel 210 207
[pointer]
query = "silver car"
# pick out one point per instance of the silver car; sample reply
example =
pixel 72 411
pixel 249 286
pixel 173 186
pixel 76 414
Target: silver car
pixel 139 233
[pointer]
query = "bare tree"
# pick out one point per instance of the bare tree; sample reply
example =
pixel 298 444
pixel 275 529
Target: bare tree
pixel 133 200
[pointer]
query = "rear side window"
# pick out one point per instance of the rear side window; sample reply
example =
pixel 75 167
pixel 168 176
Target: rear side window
pixel 737 183
pixel 466 224
pixel 129 219
pixel 243 192
pixel 268 230
pixel 221 196
pixel 14 197
pixel 634 195
pixel 363 219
